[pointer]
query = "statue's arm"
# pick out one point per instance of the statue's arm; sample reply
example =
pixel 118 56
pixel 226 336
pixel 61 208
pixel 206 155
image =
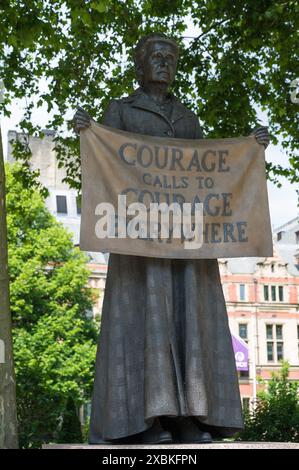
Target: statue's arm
pixel 111 117
pixel 262 135
pixel 81 120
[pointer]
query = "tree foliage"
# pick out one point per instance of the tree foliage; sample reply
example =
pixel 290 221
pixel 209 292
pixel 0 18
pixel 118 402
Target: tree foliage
pixel 276 416
pixel 70 431
pixel 244 55
pixel 8 414
pixel 54 341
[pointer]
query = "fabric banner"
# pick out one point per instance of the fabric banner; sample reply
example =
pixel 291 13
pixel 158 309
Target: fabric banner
pixel 223 178
pixel 241 352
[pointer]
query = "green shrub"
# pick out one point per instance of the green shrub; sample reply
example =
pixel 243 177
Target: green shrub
pixel 276 414
pixel 70 432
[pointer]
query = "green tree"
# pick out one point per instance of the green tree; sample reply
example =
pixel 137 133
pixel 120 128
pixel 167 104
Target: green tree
pixel 244 54
pixel 276 415
pixel 8 416
pixel 63 53
pixel 54 341
pixel 71 427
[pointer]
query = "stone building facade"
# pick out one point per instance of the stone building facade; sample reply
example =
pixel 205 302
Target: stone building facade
pixel 262 298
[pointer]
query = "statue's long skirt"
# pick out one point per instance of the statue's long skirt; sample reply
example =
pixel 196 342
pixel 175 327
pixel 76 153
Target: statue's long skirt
pixel 164 349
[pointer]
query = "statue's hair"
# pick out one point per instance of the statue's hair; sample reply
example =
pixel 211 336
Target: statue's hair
pixel 141 49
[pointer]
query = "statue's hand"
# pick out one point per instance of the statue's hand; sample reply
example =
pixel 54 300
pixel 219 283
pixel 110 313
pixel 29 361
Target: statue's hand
pixel 81 120
pixel 262 135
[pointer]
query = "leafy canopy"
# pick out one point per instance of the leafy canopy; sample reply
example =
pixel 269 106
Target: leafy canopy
pixel 54 341
pixel 246 54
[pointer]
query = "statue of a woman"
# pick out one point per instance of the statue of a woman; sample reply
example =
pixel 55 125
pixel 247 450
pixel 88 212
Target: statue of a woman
pixel 165 367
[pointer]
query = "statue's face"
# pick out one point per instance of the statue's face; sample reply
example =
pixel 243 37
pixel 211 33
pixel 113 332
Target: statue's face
pixel 159 64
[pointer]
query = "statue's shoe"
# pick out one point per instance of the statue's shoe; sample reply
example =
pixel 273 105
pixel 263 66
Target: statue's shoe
pixel 98 441
pixel 185 431
pixel 155 435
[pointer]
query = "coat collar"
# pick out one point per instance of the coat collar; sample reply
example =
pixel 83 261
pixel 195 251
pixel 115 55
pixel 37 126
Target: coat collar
pixel 140 99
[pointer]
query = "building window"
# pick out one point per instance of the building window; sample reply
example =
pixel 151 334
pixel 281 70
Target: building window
pixel 244 374
pixel 245 403
pixel 269 330
pixel 61 204
pixel 270 356
pixel 78 204
pixel 280 293
pixel 278 331
pixel 272 267
pixel 274 336
pixel 279 350
pixel 297 237
pixel 277 293
pixel 279 236
pixel 266 292
pixel 242 292
pixel 243 333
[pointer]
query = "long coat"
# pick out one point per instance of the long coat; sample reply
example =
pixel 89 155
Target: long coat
pixel 165 348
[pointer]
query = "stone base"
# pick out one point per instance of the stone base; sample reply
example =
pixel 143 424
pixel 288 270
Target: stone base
pixel 214 445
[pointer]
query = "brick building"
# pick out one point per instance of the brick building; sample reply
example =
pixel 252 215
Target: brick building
pixel 262 297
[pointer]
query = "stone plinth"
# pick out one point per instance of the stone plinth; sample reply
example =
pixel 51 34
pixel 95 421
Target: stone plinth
pixel 214 445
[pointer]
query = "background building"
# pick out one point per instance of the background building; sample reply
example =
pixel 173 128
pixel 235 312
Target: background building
pixel 63 203
pixel 262 297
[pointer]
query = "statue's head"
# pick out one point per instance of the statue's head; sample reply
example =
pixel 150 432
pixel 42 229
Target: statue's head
pixel 156 58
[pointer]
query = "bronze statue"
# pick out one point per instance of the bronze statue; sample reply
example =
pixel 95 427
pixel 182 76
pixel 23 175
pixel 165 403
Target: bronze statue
pixel 165 368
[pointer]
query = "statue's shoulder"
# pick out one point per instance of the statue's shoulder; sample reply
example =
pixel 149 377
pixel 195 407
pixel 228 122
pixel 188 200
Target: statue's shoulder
pixel 139 96
pixel 126 99
pixel 181 107
pixel 124 109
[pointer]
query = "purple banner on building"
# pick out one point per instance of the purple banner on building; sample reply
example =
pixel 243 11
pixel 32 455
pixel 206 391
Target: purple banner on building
pixel 241 352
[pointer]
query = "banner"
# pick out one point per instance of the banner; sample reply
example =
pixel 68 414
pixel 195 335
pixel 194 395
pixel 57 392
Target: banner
pixel 173 198
pixel 241 352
